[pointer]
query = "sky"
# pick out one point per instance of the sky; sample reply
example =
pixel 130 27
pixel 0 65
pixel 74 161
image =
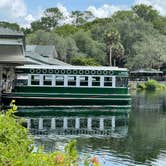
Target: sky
pixel 24 12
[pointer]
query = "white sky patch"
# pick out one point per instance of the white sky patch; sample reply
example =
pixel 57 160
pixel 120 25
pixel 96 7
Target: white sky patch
pixel 105 11
pixel 13 8
pixel 159 5
pixel 29 18
pixel 16 11
pixel 66 14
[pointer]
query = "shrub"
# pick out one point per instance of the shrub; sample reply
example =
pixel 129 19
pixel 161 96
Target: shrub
pixel 151 85
pixel 141 86
pixel 84 61
pixel 162 86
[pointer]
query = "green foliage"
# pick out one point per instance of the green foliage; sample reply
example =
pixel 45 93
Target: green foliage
pixel 49 21
pixel 116 49
pixel 146 12
pixel 131 38
pixel 122 15
pixel 160 24
pixel 80 18
pixel 13 26
pixel 90 47
pixel 150 52
pixel 151 85
pixel 71 48
pixel 66 30
pixel 141 86
pixel 84 61
pixel 16 147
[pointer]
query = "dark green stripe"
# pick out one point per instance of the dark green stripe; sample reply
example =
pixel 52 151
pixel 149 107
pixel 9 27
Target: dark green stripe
pixel 85 90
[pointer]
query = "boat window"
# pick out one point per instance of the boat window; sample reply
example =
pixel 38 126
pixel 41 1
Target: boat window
pixel 121 81
pixel 22 80
pixel 71 123
pixel 107 81
pixel 47 80
pixel 59 80
pixel 83 80
pixel 95 123
pixel 59 123
pixel 107 123
pixel 35 79
pixel 83 123
pixel 71 80
pixel 95 81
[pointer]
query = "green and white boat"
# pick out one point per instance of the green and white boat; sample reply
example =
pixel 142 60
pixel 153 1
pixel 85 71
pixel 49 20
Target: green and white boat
pixel 70 86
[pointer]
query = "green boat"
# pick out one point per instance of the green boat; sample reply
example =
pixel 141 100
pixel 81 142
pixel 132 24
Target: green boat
pixel 70 86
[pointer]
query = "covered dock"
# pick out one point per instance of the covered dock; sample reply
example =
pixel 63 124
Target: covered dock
pixel 146 74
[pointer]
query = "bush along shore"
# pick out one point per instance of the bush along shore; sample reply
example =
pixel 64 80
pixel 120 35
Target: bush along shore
pixel 151 85
pixel 16 147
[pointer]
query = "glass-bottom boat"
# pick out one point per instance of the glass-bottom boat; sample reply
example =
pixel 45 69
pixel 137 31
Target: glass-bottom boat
pixel 70 86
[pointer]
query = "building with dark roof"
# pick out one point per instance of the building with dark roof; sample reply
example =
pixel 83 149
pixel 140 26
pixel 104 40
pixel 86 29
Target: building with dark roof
pixel 43 54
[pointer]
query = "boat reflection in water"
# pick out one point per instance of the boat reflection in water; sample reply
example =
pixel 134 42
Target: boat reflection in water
pixel 114 126
pixel 53 132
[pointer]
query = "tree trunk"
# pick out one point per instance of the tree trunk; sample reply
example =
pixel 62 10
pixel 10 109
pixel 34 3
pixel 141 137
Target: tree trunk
pixel 110 57
pixel 114 62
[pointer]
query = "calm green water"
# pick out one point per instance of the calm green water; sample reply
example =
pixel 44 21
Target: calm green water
pixel 137 138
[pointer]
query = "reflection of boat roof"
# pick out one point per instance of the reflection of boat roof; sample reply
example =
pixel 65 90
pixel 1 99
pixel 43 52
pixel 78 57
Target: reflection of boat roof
pixel 72 67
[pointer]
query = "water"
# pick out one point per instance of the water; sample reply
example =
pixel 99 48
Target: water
pixel 135 138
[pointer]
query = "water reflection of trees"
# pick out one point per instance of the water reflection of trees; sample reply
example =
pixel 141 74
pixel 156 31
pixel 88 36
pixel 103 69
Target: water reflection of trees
pixel 146 138
pixel 154 101
pixel 147 135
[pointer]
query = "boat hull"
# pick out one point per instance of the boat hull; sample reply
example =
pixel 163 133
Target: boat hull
pixel 76 97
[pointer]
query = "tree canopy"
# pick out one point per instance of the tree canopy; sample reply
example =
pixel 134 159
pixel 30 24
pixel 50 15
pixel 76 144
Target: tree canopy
pixel 135 37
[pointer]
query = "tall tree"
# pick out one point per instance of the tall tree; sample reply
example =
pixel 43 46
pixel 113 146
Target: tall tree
pixel 50 20
pixel 80 18
pixel 148 13
pixel 77 17
pixel 71 49
pixel 116 49
pixel 149 52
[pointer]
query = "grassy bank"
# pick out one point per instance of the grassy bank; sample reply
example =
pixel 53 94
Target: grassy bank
pixel 16 147
pixel 151 85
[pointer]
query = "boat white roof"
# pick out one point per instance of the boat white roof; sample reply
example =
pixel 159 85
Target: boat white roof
pixel 72 67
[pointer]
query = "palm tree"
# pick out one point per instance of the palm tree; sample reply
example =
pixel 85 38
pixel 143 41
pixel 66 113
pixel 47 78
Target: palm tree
pixel 116 49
